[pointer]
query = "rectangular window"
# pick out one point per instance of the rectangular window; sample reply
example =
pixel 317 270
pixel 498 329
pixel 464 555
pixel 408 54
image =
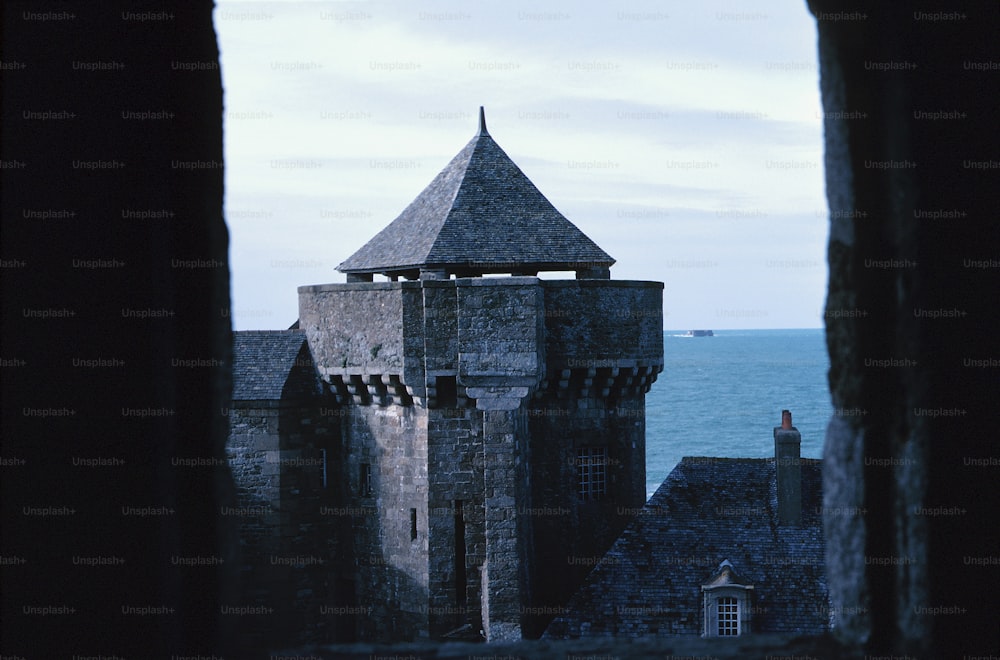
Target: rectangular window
pixel 365 480
pixel 591 466
pixel 413 524
pixel 446 388
pixel 729 617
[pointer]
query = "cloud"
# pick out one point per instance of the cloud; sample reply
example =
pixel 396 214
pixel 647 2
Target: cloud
pixel 657 128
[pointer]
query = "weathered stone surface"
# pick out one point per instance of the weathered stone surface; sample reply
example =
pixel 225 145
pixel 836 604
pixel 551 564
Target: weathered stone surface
pixel 911 304
pixel 354 328
pixel 292 550
pixel 481 457
pixel 622 326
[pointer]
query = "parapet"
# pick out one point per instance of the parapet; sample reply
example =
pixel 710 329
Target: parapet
pixel 390 341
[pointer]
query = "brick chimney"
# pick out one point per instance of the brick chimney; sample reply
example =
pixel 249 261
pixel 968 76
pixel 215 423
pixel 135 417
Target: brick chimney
pixel 787 442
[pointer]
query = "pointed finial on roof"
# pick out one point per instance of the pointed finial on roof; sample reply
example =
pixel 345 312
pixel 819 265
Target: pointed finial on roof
pixel 482 122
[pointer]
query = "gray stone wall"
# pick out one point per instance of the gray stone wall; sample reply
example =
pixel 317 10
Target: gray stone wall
pixel 571 535
pixel 438 380
pixel 291 552
pixel 366 331
pixel 597 321
pixel 392 567
pixel 438 329
pixel 500 332
pixel 455 473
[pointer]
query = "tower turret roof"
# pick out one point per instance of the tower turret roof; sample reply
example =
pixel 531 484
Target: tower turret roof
pixel 480 214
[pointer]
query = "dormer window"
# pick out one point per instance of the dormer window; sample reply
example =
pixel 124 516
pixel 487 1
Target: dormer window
pixel 728 616
pixel 726 603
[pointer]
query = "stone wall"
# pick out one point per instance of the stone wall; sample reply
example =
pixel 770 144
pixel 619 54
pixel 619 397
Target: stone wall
pixel 477 392
pixel 455 474
pixel 588 322
pixel 571 535
pixel 392 567
pixel 911 453
pixel 361 332
pixel 500 332
pixel 293 553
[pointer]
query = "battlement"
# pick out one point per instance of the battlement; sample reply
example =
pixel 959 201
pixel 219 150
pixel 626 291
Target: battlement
pixel 388 342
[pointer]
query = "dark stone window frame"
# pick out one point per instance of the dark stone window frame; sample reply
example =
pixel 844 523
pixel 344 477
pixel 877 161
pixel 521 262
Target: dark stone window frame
pixel 365 487
pixel 591 473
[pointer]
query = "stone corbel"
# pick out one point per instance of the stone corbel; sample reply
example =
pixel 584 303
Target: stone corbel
pixel 498 397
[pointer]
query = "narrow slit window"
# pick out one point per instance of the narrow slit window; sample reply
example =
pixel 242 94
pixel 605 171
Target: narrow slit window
pixel 324 475
pixel 365 480
pixel 413 524
pixel 460 575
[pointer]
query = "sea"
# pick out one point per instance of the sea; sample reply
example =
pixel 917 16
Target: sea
pixel 723 396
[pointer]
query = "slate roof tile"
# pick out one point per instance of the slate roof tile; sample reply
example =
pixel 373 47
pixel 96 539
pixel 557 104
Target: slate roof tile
pixel 706 511
pixel 272 365
pixel 481 212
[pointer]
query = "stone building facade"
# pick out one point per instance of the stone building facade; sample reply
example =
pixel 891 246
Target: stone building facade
pixel 486 434
pixel 281 448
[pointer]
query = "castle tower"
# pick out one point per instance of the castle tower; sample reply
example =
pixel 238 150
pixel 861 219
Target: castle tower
pixel 493 429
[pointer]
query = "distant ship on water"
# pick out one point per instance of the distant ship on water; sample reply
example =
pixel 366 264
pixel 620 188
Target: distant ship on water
pixel 700 333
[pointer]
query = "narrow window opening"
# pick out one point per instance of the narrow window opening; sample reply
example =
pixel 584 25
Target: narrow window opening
pixel 447 391
pixel 325 469
pixel 459 554
pixel 365 480
pixel 591 465
pixel 413 524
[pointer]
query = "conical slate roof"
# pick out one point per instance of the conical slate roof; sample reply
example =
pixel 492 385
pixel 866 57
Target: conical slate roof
pixel 480 214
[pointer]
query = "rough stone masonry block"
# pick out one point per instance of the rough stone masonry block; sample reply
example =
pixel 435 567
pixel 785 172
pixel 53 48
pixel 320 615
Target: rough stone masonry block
pixel 355 328
pixel 616 321
pixel 497 399
pixel 486 330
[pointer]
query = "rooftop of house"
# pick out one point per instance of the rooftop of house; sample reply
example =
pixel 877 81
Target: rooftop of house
pixel 481 214
pixel 713 520
pixel 272 365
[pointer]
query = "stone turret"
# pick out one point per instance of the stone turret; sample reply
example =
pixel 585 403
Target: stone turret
pixel 493 429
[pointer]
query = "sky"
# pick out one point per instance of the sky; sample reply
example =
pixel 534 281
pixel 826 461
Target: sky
pixel 684 138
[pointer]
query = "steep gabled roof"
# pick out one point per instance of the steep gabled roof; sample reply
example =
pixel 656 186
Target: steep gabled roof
pixel 272 365
pixel 480 214
pixel 708 510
